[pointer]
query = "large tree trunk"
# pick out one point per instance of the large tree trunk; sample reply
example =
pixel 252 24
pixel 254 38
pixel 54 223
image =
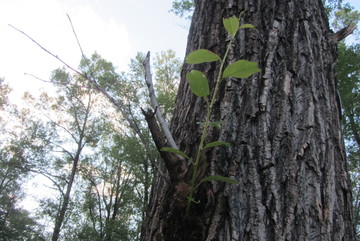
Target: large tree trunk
pixel 284 128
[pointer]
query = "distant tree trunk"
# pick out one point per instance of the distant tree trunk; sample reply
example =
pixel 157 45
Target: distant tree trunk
pixel 59 220
pixel 283 124
pixel 66 199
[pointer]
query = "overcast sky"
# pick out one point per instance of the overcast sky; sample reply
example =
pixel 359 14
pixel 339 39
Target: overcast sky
pixel 116 29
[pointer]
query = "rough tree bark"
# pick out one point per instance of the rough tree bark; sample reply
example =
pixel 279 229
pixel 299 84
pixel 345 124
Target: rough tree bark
pixel 283 124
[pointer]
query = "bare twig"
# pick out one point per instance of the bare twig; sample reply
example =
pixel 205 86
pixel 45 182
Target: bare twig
pixel 47 51
pixel 77 39
pixel 59 83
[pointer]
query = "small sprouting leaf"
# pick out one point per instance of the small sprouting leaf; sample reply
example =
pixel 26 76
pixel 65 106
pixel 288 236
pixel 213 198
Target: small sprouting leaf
pixel 247 26
pixel 193 200
pixel 241 69
pixel 175 151
pixel 217 124
pixel 231 25
pixel 217 143
pixel 219 178
pixel 198 83
pixel 201 56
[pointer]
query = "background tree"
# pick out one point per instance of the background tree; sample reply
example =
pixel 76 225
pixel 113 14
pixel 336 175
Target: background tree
pixel 348 74
pixel 114 205
pixel 100 160
pixel 348 70
pixel 15 222
pixel 283 125
pixel 167 75
pixel 183 8
pixel 68 128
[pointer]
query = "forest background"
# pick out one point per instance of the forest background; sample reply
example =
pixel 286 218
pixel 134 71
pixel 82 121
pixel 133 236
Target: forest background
pixel 65 148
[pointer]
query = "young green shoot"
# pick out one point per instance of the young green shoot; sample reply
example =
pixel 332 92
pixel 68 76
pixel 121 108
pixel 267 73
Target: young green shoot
pixel 199 86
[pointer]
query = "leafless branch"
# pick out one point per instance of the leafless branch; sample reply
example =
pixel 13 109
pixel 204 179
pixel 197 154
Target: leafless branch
pixel 77 39
pixel 155 105
pixel 47 51
pixel 59 83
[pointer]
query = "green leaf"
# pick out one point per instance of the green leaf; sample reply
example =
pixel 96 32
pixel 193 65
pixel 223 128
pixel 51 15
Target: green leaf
pixel 247 26
pixel 241 69
pixel 231 25
pixel 219 178
pixel 217 143
pixel 198 83
pixel 201 56
pixel 175 151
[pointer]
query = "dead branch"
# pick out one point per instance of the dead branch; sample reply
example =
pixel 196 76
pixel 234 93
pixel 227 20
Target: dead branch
pixel 77 39
pixel 341 34
pixel 59 83
pixel 154 103
pixel 47 51
pixel 175 166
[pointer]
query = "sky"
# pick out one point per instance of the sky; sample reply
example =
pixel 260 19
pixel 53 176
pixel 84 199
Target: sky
pixel 116 29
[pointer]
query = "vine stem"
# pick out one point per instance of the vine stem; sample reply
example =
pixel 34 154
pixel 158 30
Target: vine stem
pixel 206 126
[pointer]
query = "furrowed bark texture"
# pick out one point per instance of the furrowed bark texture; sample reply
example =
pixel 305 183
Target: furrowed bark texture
pixel 283 125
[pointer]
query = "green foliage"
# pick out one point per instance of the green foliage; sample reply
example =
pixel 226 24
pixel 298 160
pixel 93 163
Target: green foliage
pixel 4 92
pixel 183 8
pixel 167 75
pixel 348 69
pixel 113 199
pixel 15 222
pixel 345 15
pixel 200 87
pixel 348 73
pixel 240 69
pixel 330 5
pixel 115 173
